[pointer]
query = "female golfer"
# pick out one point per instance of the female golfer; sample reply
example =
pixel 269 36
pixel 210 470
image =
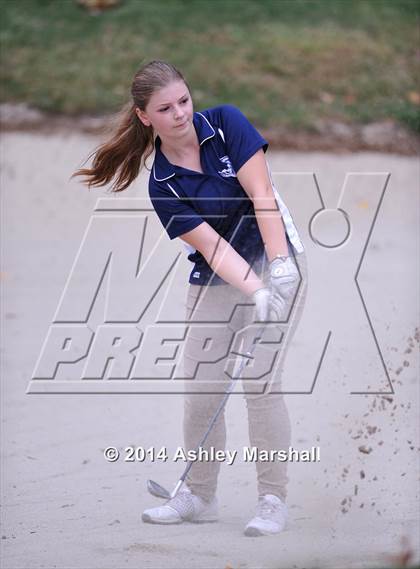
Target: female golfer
pixel 211 186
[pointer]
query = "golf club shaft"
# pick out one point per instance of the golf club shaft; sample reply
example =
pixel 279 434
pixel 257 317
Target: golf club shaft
pixel 220 407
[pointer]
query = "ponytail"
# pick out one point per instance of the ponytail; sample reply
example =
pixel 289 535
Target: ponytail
pixel 123 155
pixel 131 142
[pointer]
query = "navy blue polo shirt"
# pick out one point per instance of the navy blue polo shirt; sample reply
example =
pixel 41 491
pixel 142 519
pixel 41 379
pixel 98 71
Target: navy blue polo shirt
pixel 183 198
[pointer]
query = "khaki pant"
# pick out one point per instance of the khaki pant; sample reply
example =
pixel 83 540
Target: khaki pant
pixel 220 318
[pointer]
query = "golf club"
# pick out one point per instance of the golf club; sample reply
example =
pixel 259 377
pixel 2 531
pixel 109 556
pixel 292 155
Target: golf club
pixel 161 492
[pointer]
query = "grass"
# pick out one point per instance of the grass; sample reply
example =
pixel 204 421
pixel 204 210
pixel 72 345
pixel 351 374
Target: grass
pixel 282 62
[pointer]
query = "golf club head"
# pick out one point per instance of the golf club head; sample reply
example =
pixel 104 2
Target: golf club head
pixel 157 490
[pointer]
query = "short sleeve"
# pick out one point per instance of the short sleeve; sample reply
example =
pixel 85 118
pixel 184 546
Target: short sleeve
pixel 242 138
pixel 175 214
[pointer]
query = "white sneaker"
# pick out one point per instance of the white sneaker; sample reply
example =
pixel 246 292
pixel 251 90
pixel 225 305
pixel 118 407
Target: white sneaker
pixel 184 507
pixel 270 519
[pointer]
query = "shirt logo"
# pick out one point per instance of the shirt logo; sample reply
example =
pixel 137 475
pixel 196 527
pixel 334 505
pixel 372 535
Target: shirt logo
pixel 196 275
pixel 227 172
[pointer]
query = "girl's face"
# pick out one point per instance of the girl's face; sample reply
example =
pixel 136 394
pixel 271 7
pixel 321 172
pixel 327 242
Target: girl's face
pixel 169 111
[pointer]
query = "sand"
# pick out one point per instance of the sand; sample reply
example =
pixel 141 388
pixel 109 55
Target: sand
pixel 65 506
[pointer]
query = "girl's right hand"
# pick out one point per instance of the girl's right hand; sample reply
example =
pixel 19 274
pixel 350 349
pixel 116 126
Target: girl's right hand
pixel 261 298
pixel 268 306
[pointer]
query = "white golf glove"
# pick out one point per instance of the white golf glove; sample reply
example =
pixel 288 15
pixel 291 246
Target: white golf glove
pixel 284 277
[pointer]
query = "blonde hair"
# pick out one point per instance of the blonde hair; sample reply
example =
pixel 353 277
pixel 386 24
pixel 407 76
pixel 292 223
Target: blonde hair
pixel 131 143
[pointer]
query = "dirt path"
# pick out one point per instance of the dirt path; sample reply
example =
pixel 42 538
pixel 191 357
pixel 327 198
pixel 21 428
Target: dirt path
pixel 326 135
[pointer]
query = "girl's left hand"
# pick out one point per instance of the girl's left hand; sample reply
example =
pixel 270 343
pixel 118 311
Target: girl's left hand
pixel 284 277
